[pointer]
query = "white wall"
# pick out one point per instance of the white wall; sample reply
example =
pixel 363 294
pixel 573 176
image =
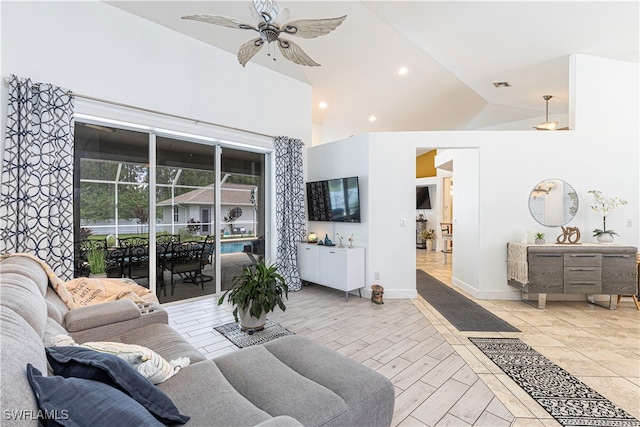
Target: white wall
pixel 342 159
pixel 95 49
pixel 494 172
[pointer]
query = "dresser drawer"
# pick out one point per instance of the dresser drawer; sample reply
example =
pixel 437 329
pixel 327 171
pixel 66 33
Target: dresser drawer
pixel 582 259
pixel 582 280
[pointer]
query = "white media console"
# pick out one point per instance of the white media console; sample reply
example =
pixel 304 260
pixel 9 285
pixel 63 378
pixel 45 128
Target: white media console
pixel 338 268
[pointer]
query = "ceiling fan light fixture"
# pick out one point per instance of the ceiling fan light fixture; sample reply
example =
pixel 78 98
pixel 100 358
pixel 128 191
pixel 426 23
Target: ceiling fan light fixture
pixel 269 31
pixel 547 125
pixel 402 71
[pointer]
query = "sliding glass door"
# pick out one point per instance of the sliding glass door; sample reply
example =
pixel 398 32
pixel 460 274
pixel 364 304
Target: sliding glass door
pixel 185 200
pixel 242 212
pixel 166 194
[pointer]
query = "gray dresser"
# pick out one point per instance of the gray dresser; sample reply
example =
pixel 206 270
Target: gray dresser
pixel 589 269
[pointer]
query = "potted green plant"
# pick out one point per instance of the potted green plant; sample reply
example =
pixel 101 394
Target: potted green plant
pixel 257 291
pixel 95 258
pixel 428 234
pixel 539 238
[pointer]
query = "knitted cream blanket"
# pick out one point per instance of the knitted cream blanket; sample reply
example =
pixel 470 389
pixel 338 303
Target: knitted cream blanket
pixel 517 267
pixel 86 291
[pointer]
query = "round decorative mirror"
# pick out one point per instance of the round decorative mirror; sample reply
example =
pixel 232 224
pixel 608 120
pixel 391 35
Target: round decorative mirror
pixel 553 202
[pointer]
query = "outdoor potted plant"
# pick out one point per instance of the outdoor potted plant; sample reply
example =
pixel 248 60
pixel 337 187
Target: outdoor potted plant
pixel 428 235
pixel 539 239
pixel 257 291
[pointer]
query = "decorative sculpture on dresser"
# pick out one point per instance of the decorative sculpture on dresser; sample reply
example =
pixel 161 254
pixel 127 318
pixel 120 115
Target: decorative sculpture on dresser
pixel 570 236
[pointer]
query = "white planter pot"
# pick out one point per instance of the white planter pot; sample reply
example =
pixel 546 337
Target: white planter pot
pixel 604 238
pixel 248 322
pixel 429 244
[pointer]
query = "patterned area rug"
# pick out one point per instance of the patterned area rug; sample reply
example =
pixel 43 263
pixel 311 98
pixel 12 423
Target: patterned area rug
pixel 240 338
pixel 565 397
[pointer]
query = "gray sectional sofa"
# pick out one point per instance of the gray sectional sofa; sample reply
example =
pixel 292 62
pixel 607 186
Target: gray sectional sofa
pixel 290 381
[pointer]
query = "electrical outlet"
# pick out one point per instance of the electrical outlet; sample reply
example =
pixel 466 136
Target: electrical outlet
pixel 629 223
pixel 376 275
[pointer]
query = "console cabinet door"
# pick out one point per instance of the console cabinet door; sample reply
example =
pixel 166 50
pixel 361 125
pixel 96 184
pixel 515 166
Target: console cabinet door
pixel 546 272
pixel 619 274
pixel 308 265
pixel 333 272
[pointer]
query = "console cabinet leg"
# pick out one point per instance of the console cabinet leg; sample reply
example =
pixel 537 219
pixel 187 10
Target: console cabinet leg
pixel 540 303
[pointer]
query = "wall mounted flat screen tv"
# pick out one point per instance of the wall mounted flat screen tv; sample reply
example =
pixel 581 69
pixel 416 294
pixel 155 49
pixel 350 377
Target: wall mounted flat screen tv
pixel 334 200
pixel 423 201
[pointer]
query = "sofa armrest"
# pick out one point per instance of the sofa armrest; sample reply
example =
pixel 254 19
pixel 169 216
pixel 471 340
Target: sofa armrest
pixel 92 316
pixel 107 321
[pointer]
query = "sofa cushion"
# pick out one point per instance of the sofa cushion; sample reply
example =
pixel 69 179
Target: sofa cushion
pixel 27 268
pixel 162 339
pixel 202 386
pixel 56 308
pixel 82 402
pixel 19 346
pixel 109 369
pixel 52 330
pixel 369 396
pixel 21 295
pixel 259 376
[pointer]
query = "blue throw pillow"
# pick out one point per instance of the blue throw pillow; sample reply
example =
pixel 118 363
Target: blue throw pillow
pixel 109 369
pixel 80 402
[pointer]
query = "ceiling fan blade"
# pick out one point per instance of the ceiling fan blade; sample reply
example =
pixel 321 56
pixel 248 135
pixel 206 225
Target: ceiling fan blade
pixel 223 21
pixel 310 28
pixel 248 50
pixel 270 8
pixel 294 53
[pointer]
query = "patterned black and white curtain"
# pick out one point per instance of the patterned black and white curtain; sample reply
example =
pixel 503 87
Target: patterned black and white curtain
pixel 290 227
pixel 36 211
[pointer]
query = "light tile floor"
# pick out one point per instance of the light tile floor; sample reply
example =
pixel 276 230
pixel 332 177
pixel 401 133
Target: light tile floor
pixel 440 377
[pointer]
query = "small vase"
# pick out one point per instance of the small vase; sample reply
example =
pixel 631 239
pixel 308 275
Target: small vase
pixel 604 238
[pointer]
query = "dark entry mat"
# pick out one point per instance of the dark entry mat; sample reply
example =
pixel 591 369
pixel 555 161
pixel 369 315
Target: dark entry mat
pixel 459 310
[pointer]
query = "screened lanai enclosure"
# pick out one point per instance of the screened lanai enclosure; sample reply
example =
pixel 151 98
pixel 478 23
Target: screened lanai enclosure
pixel 182 217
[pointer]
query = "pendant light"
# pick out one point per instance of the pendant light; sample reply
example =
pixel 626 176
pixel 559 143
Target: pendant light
pixel 547 125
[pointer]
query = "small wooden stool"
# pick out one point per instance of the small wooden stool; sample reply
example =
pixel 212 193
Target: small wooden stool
pixel 376 294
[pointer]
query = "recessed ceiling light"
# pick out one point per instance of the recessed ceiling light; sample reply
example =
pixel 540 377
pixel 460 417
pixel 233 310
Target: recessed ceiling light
pixel 372 118
pixel 403 70
pixel 322 105
pixel 502 84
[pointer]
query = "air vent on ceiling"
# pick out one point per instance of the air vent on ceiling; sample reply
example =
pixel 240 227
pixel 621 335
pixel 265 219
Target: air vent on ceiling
pixel 502 84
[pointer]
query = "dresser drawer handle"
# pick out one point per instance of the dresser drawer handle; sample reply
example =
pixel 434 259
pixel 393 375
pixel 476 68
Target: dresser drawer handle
pixel 617 256
pixel 583 255
pixel 332 252
pixel 549 255
pixel 307 249
pixel 582 283
pixel 583 269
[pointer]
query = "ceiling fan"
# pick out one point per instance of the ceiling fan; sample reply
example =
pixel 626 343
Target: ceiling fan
pixel 270 26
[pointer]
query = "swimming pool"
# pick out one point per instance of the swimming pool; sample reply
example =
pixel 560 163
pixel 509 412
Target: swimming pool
pixel 234 246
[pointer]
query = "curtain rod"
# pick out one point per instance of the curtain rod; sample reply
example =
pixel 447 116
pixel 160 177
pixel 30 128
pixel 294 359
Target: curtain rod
pixel 147 110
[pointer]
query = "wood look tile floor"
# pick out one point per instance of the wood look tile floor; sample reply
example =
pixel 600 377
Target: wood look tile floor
pixel 441 379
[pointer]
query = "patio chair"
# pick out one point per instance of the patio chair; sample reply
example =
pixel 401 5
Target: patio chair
pixel 136 257
pixel 185 260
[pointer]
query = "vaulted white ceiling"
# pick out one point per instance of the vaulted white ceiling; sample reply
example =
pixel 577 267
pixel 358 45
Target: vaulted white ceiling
pixel 454 52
